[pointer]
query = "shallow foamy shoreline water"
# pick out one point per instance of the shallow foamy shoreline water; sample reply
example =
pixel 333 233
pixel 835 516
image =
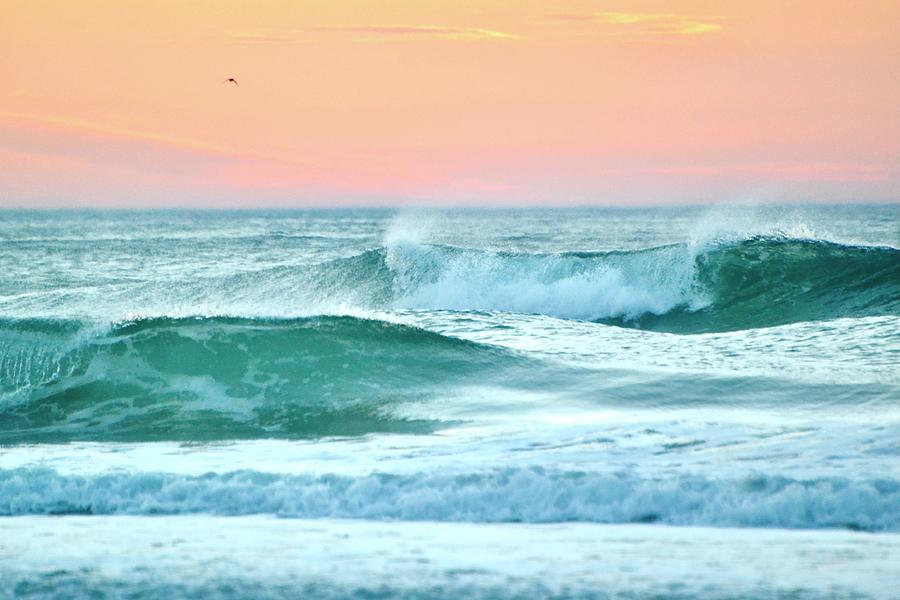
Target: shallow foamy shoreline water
pixel 262 557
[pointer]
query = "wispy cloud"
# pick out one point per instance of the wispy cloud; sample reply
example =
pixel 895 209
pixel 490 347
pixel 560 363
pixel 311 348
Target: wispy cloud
pixel 655 23
pixel 87 148
pixel 86 127
pixel 62 135
pixel 369 33
pixel 647 24
pixel 571 18
pixel 288 36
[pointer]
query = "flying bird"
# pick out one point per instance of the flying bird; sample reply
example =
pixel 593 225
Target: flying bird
pixel 231 80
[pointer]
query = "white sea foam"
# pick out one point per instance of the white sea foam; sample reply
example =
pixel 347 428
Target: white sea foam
pixel 534 495
pixel 561 285
pixel 231 558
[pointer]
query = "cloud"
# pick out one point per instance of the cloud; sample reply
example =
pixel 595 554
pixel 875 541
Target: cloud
pixel 267 36
pixel 55 159
pixel 90 130
pixel 572 18
pixel 654 23
pixel 647 24
pixel 369 33
pixel 167 158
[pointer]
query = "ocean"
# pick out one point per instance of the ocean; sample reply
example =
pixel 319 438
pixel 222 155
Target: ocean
pixel 435 403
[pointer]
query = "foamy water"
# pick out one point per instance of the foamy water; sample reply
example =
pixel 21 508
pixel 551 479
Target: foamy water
pixel 572 403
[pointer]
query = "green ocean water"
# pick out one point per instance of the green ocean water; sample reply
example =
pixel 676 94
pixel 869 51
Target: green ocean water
pixel 716 368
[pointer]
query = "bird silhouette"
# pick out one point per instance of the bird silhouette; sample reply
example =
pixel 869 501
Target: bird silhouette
pixel 232 80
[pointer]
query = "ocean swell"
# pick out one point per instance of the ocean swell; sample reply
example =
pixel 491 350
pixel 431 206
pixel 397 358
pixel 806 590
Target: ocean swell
pixel 222 378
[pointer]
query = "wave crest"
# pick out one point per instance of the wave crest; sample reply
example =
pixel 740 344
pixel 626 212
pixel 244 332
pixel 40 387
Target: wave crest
pixel 757 282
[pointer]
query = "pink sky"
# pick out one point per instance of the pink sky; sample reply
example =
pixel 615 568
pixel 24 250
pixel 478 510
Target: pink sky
pixel 427 102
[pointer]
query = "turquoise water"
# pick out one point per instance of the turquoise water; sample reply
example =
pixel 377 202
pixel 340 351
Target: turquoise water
pixel 443 387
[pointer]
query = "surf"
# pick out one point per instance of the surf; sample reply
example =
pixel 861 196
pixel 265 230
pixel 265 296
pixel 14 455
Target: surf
pixel 500 495
pixel 714 286
pixel 724 286
pixel 225 377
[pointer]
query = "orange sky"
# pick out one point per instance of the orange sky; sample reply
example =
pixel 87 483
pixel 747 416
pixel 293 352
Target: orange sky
pixel 121 103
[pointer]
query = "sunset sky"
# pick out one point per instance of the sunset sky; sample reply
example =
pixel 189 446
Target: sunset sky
pixel 122 103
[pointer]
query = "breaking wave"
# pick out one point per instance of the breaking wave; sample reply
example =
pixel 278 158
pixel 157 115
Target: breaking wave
pixel 758 282
pixel 531 495
pixel 725 285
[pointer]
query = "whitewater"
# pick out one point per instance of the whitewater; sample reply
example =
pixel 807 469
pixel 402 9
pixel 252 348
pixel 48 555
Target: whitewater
pixel 505 403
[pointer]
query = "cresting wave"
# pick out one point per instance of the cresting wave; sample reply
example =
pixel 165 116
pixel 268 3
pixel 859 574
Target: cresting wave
pixel 531 495
pixel 720 286
pixel 757 282
pixel 224 378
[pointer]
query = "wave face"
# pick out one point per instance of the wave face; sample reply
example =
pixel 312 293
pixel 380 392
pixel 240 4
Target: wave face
pixel 530 495
pixel 758 282
pixel 223 378
pixel 765 282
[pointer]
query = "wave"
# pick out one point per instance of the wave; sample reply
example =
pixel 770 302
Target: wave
pixel 765 282
pixel 223 378
pixel 724 285
pixel 530 495
pixel 756 282
pixel 215 378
